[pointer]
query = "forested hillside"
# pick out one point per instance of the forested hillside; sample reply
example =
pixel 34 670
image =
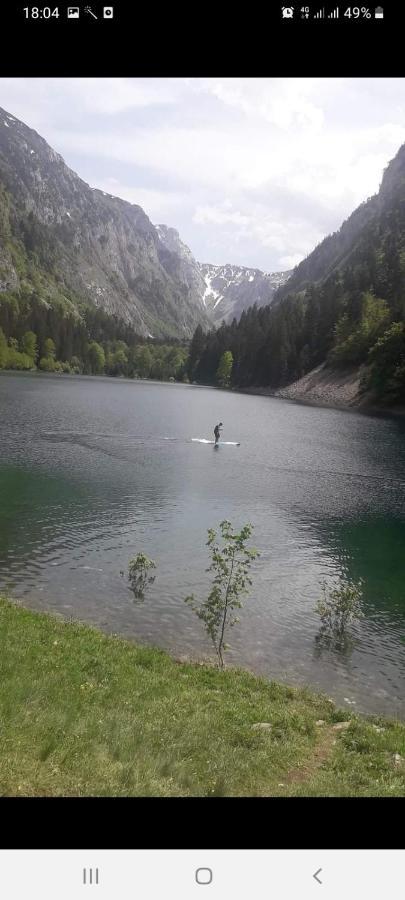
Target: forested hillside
pixel 344 305
pixel 52 339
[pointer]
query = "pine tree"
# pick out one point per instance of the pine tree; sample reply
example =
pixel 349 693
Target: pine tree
pixel 196 350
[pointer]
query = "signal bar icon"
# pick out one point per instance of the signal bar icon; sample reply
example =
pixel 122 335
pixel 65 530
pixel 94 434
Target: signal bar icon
pixel 320 14
pixel 334 14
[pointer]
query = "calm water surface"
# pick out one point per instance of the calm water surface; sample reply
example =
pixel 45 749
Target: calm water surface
pixel 93 470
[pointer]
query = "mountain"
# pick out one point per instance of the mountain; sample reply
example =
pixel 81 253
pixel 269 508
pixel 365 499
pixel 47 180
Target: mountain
pixel 362 235
pixel 229 290
pixel 333 252
pixel 224 291
pixel 187 267
pixel 343 308
pixel 74 244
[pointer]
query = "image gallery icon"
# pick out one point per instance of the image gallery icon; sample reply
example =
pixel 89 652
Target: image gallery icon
pixel 108 12
pixel 73 12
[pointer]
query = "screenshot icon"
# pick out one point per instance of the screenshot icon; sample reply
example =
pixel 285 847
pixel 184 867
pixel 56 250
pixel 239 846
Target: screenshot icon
pixel 73 12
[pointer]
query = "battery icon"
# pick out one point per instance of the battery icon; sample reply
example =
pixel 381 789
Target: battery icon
pixel 379 12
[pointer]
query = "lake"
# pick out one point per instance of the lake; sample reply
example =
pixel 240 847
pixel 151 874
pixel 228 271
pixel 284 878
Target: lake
pixel 94 470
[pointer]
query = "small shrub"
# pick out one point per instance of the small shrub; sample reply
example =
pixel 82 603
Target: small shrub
pixel 138 575
pixel 76 365
pixel 16 360
pixel 339 607
pixel 47 364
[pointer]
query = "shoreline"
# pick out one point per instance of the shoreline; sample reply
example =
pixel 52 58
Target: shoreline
pixel 76 375
pixel 329 389
pixel 87 714
pixel 366 409
pixel 282 675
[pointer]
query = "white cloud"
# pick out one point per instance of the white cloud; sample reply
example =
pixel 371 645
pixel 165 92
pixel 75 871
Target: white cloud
pixel 282 103
pixel 115 95
pixel 219 215
pixel 289 262
pixel 42 96
pixel 158 205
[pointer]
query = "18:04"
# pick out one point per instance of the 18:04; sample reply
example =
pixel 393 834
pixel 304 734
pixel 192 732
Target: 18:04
pixel 34 12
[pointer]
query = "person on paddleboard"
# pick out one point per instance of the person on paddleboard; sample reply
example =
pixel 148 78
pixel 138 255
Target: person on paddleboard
pixel 217 432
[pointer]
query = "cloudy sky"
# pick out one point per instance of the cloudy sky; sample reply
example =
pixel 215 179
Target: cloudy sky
pixel 250 171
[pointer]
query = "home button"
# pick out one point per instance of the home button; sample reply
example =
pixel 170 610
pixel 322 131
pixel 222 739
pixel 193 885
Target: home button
pixel 203 876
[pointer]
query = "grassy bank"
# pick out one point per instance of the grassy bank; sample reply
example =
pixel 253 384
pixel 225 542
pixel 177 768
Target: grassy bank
pixel 82 714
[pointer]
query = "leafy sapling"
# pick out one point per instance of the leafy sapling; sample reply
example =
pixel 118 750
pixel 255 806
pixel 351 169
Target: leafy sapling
pixel 231 566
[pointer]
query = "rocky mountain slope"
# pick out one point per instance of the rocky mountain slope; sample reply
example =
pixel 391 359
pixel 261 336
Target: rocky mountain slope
pixel 340 317
pixel 224 291
pixel 73 244
pixel 171 249
pixel 367 235
pixel 229 290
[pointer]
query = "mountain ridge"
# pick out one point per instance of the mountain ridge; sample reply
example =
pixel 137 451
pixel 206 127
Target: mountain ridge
pixel 99 247
pixel 343 308
pixel 231 289
pixel 87 245
pixel 336 248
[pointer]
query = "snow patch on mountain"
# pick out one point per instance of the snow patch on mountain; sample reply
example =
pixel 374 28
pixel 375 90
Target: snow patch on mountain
pixel 210 292
pixel 229 290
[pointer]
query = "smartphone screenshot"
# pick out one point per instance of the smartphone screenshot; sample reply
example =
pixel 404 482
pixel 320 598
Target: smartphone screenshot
pixel 202 451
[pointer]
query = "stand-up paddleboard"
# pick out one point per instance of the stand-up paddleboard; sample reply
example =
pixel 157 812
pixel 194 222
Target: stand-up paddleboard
pixel 206 441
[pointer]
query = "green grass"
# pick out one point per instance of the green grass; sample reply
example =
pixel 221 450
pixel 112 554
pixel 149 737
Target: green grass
pixel 84 714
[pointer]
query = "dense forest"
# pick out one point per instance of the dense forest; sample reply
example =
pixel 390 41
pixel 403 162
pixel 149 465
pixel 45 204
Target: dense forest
pixel 275 346
pixel 34 334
